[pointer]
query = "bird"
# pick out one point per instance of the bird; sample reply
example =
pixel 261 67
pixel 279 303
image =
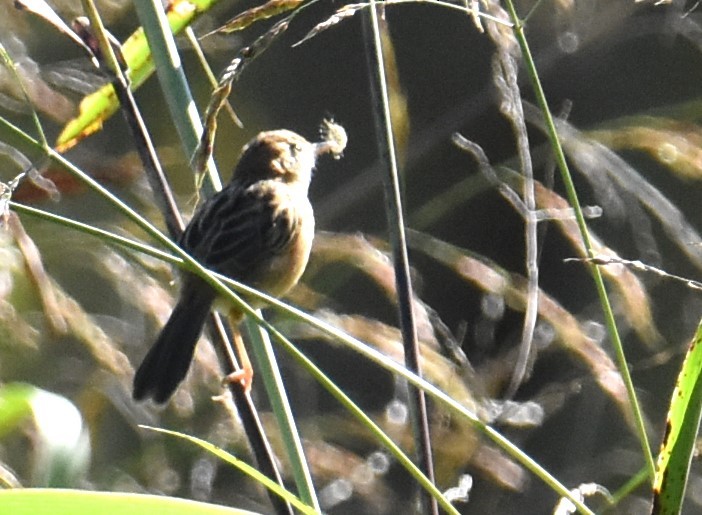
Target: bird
pixel 257 230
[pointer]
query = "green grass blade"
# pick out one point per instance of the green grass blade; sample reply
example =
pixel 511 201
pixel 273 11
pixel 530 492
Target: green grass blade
pixel 269 371
pixel 681 428
pixel 572 195
pixel 244 467
pixel 174 84
pixel 41 501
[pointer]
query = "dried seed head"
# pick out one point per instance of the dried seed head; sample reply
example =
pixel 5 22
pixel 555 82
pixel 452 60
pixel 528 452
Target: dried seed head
pixel 334 139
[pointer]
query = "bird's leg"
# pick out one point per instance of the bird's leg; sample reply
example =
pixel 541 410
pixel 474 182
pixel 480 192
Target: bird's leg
pixel 243 376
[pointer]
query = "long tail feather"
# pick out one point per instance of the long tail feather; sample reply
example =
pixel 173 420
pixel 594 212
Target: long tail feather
pixel 167 362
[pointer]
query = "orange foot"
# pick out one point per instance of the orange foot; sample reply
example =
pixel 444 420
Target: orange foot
pixel 243 376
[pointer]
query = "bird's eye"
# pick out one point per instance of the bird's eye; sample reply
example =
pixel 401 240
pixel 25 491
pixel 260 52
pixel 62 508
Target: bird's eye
pixel 295 149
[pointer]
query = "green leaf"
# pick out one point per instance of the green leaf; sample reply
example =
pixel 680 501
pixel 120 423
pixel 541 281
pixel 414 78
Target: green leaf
pixel 36 501
pixel 244 467
pixel 681 429
pixel 97 107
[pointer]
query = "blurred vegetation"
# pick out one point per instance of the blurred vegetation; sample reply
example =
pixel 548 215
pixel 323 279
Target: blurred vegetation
pixel 77 315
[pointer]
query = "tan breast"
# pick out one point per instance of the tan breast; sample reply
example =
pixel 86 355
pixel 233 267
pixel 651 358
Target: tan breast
pixel 284 270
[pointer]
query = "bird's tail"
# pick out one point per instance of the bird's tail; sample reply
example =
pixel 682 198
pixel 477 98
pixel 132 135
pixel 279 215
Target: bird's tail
pixel 167 362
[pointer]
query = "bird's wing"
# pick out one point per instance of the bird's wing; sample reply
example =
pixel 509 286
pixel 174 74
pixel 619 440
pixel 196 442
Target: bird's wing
pixel 240 228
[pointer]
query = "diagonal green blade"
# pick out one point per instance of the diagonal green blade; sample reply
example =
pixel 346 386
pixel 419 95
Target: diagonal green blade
pixel 681 429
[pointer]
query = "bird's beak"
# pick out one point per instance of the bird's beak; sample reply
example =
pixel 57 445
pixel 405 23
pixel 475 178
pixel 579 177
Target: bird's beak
pixel 323 147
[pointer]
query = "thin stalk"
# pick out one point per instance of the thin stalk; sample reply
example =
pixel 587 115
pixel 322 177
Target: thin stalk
pixel 572 195
pixel 106 236
pixel 211 78
pixel 629 487
pixel 354 344
pixel 396 228
pixel 187 121
pixel 505 71
pixel 145 148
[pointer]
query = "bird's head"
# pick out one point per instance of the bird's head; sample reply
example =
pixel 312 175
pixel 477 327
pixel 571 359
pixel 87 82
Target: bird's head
pixel 286 156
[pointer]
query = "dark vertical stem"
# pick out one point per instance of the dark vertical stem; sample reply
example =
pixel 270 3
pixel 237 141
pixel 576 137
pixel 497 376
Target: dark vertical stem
pixel 247 411
pixel 396 229
pixel 251 422
pixel 147 154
